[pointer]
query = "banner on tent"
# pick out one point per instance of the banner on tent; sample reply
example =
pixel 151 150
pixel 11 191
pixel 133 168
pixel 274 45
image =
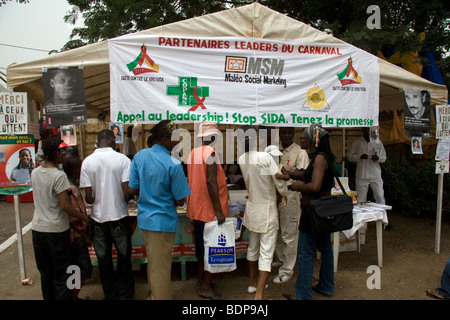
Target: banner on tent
pixel 242 81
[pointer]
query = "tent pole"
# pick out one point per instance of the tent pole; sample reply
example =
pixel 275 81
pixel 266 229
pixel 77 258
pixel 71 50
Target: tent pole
pixel 81 142
pixel 343 153
pixel 437 242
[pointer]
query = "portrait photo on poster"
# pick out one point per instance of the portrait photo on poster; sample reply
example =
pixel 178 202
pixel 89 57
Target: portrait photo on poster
pixel 117 128
pixel 64 96
pixel 416 145
pixel 417 113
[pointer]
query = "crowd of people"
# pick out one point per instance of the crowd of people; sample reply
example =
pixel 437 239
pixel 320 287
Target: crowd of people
pixel 279 182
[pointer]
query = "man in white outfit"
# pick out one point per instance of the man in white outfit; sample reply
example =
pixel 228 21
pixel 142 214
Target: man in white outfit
pixel 261 217
pixel 293 159
pixel 368 155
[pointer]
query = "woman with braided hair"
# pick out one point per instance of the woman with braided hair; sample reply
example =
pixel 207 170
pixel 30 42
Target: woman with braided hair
pixel 317 182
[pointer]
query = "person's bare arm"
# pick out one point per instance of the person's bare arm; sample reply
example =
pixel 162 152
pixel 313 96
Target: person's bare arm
pixel 67 207
pixel 89 195
pixel 213 190
pixel 320 165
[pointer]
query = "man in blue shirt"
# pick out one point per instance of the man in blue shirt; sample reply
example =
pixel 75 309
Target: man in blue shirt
pixel 159 180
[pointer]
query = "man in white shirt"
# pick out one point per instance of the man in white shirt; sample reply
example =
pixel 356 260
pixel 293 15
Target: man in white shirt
pixel 105 175
pixel 261 215
pixel 293 159
pixel 368 156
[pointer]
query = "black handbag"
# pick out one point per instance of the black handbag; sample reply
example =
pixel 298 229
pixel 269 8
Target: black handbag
pixel 329 214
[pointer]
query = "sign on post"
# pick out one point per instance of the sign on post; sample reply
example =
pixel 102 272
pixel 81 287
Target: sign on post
pixel 16 163
pixel 13 113
pixel 442 121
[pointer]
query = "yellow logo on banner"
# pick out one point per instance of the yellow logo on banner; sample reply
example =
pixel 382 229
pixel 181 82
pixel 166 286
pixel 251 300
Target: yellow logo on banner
pixel 316 98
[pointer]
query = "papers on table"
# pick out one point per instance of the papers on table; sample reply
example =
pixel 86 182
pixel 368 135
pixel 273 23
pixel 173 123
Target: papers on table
pixel 369 207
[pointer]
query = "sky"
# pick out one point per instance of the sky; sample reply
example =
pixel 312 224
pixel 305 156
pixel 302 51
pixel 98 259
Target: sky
pixel 38 24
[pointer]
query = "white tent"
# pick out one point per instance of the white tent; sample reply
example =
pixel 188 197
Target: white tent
pixel 254 20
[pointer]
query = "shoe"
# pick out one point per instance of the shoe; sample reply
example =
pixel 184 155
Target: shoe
pixel 436 295
pixel 281 279
pixel 252 289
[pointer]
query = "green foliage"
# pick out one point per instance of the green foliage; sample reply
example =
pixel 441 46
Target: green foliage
pixel 412 190
pixel 410 186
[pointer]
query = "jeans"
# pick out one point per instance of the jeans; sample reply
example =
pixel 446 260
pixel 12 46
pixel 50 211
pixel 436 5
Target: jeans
pixel 53 255
pixel 445 281
pixel 307 244
pixel 120 286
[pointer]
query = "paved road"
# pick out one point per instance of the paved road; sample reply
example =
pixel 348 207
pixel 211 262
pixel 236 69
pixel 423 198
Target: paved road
pixel 8 220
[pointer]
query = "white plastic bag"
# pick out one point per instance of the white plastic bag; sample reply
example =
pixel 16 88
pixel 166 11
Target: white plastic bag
pixel 220 253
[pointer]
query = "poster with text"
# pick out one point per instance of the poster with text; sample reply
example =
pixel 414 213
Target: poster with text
pixel 17 161
pixel 237 80
pixel 417 110
pixel 64 97
pixel 13 113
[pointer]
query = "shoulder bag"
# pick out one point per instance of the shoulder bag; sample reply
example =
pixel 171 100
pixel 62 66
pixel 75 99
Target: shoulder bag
pixel 330 213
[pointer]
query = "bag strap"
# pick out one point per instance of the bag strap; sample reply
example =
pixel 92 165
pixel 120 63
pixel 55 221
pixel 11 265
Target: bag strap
pixel 335 174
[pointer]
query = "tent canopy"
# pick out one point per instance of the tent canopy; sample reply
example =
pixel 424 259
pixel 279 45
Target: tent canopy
pixel 254 20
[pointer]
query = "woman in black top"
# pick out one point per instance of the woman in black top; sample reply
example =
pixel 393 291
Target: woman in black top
pixel 317 182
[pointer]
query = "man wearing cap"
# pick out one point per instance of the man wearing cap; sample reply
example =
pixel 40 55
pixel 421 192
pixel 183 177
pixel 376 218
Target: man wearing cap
pixel 293 159
pixel 208 200
pixel 104 175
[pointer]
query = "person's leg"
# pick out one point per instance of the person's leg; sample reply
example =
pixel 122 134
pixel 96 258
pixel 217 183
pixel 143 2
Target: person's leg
pixel 102 241
pixel 289 221
pixel 267 242
pixel 306 247
pixel 252 257
pixel 121 235
pixel 61 255
pixel 362 187
pixel 444 290
pixel 147 236
pixel 326 274
pixel 159 252
pixel 378 191
pixel 43 264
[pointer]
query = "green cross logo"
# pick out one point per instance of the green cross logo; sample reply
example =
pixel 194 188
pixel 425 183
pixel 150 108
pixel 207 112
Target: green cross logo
pixel 189 93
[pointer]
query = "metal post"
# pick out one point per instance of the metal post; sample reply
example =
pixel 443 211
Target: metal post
pixel 19 236
pixel 437 242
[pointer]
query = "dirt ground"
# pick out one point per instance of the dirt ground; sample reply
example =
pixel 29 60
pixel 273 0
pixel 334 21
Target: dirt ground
pixel 410 267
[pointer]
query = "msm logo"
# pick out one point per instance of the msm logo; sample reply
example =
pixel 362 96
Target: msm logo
pixel 252 65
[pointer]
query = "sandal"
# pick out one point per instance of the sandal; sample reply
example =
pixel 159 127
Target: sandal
pixel 434 294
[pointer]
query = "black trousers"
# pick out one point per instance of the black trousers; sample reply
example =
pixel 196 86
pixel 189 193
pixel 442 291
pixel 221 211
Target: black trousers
pixel 53 255
pixel 120 284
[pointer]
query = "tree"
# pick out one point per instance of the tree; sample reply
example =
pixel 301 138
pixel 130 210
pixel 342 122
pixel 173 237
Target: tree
pixel 406 26
pixel 4 2
pixel 112 18
pixel 403 23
